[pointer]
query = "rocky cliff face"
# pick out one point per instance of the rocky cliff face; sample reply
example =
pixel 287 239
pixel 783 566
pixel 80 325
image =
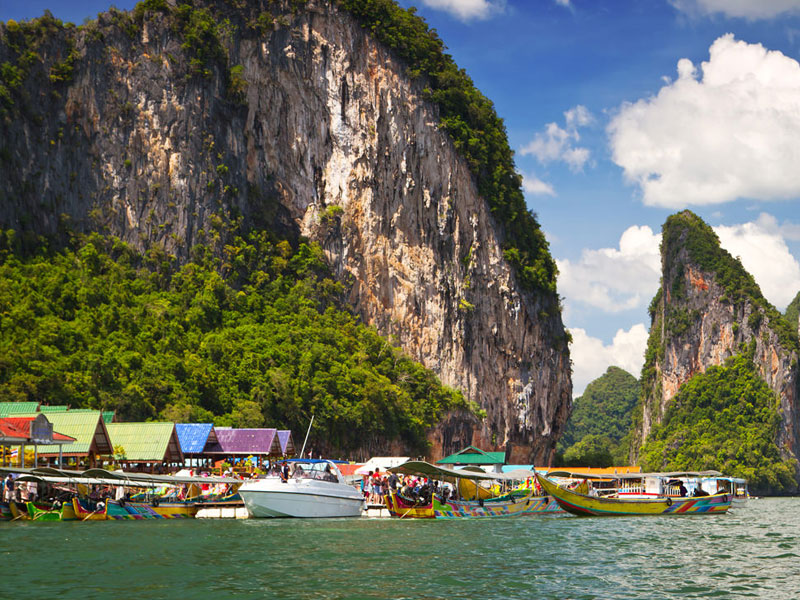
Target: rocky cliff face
pixel 707 310
pixel 300 120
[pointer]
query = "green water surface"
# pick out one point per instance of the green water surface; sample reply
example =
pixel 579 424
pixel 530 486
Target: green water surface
pixel 752 552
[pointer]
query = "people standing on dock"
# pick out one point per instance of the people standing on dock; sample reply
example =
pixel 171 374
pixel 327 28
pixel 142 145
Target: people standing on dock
pixel 8 491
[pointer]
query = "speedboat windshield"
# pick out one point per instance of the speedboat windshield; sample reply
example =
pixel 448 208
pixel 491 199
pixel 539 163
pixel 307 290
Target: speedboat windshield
pixel 323 471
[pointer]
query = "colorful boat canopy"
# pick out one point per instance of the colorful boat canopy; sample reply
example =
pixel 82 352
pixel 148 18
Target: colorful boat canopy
pixel 49 474
pixel 418 467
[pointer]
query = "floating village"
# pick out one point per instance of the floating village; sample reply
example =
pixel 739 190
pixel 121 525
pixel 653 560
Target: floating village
pixel 62 464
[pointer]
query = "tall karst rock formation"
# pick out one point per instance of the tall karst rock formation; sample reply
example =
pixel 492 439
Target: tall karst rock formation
pixel 709 309
pixel 154 127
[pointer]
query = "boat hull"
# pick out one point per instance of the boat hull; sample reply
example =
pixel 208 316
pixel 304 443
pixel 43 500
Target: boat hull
pixel 39 514
pixel 84 512
pixel 300 498
pixel 406 509
pixel 583 505
pixel 452 509
pixel 540 505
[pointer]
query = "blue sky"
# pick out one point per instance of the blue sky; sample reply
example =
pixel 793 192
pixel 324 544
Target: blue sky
pixel 622 113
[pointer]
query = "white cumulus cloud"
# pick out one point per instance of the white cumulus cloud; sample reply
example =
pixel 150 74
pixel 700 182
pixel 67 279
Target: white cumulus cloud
pixel 748 9
pixel 615 279
pixel 724 131
pixel 559 143
pixel 591 358
pixel 765 255
pixel 535 186
pixel 467 10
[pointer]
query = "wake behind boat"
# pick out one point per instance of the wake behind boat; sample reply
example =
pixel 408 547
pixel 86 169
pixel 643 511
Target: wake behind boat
pixel 316 489
pixel 604 506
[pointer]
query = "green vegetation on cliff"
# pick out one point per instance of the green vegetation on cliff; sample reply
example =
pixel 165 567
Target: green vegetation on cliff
pixel 596 432
pixel 726 419
pixel 685 230
pixel 792 314
pixel 258 337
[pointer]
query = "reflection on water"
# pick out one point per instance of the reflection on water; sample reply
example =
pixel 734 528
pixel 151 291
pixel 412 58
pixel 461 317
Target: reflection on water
pixel 750 552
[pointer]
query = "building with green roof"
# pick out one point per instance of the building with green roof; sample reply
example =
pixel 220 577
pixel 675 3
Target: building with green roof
pixel 146 445
pixel 88 429
pixel 472 456
pixel 16 409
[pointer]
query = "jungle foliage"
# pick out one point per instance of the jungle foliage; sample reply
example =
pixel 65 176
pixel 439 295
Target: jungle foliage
pixel 255 338
pixel 596 432
pixel 725 419
pixel 792 313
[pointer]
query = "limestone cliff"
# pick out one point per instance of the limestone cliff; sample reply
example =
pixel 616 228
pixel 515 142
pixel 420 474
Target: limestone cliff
pixel 709 309
pixel 150 128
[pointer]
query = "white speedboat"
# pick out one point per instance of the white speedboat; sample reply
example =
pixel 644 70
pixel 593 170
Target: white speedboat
pixel 316 489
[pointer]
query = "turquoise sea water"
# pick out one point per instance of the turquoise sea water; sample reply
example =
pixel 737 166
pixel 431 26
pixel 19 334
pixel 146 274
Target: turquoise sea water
pixel 752 552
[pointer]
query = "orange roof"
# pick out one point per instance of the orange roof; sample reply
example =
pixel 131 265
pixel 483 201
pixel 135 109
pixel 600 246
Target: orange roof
pixel 348 469
pixel 596 471
pixel 10 430
pixel 23 426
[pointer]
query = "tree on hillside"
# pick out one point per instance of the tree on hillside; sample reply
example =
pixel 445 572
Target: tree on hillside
pixel 725 419
pixel 601 418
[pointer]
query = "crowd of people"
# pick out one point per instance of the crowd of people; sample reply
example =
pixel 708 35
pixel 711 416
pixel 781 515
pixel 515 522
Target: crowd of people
pixel 18 491
pixel 377 485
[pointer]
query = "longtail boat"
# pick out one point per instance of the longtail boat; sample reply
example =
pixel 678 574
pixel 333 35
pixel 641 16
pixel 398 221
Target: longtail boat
pixel 85 511
pixel 586 505
pixel 36 513
pixel 480 502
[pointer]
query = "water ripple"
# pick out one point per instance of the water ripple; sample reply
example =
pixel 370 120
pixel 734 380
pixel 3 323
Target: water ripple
pixel 750 553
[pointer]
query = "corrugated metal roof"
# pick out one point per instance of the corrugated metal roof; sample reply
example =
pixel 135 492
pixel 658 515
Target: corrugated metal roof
pixel 37 431
pixel 55 408
pixel 285 439
pixel 108 415
pixel 11 433
pixel 473 456
pixel 85 426
pixel 194 436
pixel 146 442
pixel 8 409
pixel 246 441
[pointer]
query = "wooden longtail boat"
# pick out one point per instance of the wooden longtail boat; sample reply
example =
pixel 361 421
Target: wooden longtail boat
pixel 16 513
pixel 438 508
pixel 36 513
pixel 85 512
pixel 517 502
pixel 542 505
pixel 584 505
